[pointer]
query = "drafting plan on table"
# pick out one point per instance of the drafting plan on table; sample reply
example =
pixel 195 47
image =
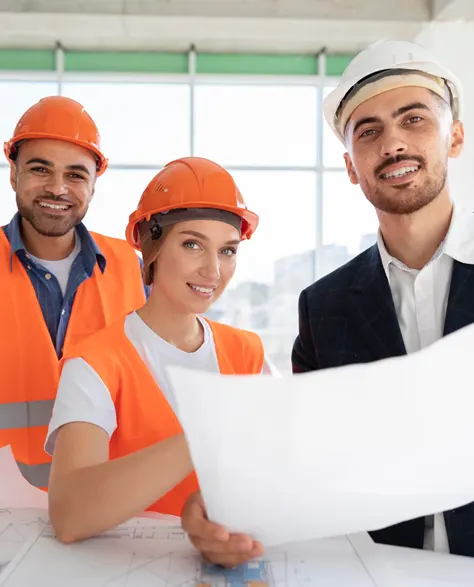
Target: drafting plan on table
pixel 23 509
pixel 152 552
pixel 17 529
pixel 147 553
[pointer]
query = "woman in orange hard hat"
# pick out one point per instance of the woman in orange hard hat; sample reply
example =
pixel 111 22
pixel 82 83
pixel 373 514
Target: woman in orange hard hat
pixel 118 446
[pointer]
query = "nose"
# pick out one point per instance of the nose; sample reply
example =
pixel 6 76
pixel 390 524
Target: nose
pixel 210 268
pixel 392 144
pixel 56 185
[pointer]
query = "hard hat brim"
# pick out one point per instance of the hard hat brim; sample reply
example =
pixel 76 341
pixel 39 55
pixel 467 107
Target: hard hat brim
pixel 102 160
pixel 333 100
pixel 249 225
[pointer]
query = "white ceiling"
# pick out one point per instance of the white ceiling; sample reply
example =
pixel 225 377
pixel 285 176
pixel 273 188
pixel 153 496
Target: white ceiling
pixel 219 25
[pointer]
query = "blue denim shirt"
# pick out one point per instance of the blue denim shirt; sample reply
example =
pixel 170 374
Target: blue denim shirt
pixel 57 308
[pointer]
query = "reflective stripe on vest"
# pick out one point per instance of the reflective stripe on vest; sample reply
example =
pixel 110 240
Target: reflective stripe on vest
pixel 25 414
pixel 37 475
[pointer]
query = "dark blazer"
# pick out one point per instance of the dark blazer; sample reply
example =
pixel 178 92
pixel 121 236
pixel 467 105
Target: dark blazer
pixel 349 317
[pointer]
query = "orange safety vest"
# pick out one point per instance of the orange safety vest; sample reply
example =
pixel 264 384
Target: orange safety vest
pixel 29 364
pixel 144 416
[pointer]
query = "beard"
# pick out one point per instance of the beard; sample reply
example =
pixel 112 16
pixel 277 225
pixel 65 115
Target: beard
pixel 48 224
pixel 403 199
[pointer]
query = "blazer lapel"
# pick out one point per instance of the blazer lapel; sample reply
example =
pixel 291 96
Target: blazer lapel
pixel 373 309
pixel 460 309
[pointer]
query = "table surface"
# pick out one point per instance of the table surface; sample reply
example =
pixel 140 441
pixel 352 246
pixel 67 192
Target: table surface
pixel 150 553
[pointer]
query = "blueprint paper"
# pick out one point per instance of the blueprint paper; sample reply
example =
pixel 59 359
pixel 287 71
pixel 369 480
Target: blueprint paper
pixel 337 451
pixel 151 553
pixel 18 530
pixel 157 556
pixel 17 526
pixel 15 491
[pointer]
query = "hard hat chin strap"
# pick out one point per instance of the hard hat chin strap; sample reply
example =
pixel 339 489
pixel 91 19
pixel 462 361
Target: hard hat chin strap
pixel 155 230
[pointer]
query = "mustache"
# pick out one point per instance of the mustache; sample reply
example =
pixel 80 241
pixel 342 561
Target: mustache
pixel 58 199
pixel 398 159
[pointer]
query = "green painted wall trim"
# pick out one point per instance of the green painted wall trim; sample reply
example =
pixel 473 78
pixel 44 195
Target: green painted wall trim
pixel 27 60
pixel 126 62
pixel 336 64
pixel 256 64
pixel 172 63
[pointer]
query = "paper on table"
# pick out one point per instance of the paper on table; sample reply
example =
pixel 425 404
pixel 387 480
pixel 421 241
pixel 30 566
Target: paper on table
pixel 337 451
pixel 158 557
pixel 423 568
pixel 15 491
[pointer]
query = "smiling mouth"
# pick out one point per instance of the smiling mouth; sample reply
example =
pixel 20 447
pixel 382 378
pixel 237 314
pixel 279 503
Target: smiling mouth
pixel 58 206
pixel 203 290
pixel 401 173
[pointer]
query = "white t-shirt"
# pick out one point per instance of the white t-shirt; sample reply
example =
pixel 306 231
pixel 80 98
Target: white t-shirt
pixel 83 397
pixel 62 268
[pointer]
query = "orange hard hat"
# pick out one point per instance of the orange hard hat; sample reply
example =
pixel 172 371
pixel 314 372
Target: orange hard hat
pixel 196 186
pixel 58 117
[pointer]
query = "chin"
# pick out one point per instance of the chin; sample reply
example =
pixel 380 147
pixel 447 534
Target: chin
pixel 198 306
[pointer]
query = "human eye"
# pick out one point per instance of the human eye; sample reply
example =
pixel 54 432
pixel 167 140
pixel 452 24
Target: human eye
pixel 413 119
pixel 77 176
pixel 229 251
pixel 191 245
pixel 367 133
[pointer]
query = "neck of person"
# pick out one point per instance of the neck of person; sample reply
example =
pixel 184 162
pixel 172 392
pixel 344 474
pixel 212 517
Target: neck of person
pixel 414 238
pixel 47 248
pixel 174 325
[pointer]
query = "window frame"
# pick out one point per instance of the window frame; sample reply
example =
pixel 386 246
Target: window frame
pixel 192 78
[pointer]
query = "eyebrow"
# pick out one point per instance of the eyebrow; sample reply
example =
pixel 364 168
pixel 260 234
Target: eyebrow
pixel 395 114
pixel 46 163
pixel 408 107
pixel 205 238
pixel 78 167
pixel 40 161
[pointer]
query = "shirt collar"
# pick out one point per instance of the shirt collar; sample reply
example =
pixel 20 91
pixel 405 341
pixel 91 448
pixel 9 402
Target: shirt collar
pixel 90 252
pixel 458 244
pixel 384 255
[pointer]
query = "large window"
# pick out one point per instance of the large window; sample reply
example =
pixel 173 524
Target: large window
pixel 312 219
pixel 140 123
pixel 256 125
pixel 349 221
pixel 16 97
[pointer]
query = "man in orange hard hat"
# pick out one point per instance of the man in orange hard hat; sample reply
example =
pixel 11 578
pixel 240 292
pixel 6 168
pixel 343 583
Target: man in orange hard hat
pixel 58 282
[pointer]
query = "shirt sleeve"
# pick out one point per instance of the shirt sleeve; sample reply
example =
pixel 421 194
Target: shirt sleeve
pixel 269 369
pixel 82 397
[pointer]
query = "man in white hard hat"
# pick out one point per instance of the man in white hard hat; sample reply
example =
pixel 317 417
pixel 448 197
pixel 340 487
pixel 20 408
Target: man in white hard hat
pixel 397 110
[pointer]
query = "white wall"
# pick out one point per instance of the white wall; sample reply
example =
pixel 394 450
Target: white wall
pixel 453 44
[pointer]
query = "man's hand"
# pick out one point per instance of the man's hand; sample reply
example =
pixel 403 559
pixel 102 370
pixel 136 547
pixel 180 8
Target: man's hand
pixel 213 541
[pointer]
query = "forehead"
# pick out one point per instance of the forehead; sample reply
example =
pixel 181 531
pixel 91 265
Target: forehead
pixel 57 152
pixel 212 229
pixel 384 104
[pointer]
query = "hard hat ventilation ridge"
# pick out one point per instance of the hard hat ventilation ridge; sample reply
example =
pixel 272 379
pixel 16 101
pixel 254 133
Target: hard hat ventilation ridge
pixel 159 187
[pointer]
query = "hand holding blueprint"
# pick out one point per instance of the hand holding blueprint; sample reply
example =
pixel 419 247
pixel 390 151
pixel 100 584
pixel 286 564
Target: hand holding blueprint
pixel 337 451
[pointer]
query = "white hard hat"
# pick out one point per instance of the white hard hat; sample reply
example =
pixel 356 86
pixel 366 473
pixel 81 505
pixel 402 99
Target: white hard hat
pixel 383 55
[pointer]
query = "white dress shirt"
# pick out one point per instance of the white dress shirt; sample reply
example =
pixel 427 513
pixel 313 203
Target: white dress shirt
pixel 420 298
